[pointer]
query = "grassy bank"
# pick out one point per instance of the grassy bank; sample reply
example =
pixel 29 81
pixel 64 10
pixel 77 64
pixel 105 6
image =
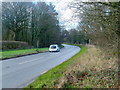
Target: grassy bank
pixel 95 69
pixel 48 80
pixel 15 53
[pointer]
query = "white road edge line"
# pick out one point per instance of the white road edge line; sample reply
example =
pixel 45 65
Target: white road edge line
pixel 30 82
pixel 28 61
pixel 35 78
pixel 43 72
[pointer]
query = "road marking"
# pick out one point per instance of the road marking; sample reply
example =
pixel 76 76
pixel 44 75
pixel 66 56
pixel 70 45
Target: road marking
pixel 43 72
pixel 29 61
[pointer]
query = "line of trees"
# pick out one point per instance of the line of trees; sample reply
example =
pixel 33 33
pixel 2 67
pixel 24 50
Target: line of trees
pixel 75 36
pixel 35 23
pixel 38 25
pixel 100 22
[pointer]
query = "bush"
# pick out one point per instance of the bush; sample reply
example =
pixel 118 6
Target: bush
pixel 7 45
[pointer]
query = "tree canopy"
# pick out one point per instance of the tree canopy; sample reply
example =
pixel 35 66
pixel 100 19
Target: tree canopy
pixel 36 24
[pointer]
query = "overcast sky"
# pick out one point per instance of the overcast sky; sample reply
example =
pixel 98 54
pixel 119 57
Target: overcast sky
pixel 65 14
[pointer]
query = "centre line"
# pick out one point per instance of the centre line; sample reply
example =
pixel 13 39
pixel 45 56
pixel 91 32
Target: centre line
pixel 29 61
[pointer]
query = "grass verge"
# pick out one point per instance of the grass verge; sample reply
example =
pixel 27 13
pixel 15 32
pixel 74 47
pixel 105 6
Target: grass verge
pixel 16 53
pixel 95 69
pixel 48 80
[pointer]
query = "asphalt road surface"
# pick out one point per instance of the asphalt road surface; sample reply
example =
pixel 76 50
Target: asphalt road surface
pixel 20 72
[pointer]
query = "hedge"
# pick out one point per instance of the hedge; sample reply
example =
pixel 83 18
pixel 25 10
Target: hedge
pixel 8 45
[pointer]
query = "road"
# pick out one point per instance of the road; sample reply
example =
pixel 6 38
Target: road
pixel 19 72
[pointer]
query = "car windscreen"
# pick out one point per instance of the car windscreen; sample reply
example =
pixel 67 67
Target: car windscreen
pixel 53 47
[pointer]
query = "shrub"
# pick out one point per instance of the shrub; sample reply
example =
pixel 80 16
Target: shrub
pixel 7 45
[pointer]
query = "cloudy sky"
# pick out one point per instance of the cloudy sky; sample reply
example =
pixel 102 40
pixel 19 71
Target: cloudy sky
pixel 65 13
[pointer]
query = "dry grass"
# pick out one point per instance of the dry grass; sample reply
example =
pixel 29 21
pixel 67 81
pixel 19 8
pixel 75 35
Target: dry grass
pixel 94 70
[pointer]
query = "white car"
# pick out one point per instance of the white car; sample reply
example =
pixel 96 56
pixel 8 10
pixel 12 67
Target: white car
pixel 54 48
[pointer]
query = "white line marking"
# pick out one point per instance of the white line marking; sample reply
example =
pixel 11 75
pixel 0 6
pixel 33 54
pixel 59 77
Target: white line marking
pixel 43 72
pixel 29 61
